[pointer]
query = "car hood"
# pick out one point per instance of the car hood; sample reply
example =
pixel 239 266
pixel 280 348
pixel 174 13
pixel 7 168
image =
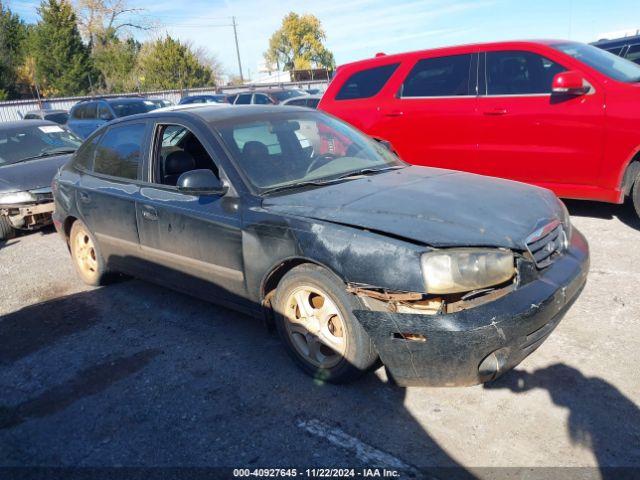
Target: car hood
pixel 430 206
pixel 30 175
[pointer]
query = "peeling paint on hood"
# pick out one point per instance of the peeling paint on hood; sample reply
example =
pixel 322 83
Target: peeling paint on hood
pixel 440 208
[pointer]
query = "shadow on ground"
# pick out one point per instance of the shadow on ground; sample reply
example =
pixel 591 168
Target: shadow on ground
pixel 625 213
pixel 137 375
pixel 600 416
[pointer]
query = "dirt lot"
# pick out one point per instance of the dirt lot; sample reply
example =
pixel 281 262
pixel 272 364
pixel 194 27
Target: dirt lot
pixel 136 375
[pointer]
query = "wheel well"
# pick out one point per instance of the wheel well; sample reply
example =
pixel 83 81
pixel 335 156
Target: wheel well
pixel 68 222
pixel 630 174
pixel 273 278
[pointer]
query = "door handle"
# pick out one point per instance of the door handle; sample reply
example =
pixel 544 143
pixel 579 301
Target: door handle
pixel 149 213
pixel 84 197
pixel 496 111
pixel 394 113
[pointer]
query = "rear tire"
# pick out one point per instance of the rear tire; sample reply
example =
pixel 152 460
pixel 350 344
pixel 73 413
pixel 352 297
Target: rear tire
pixel 6 229
pixel 314 318
pixel 635 195
pixel 86 255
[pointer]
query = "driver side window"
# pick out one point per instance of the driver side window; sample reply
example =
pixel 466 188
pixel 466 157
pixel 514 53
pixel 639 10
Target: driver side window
pixel 177 151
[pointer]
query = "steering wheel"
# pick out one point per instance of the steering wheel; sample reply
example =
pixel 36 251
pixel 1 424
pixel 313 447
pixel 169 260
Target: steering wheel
pixel 319 161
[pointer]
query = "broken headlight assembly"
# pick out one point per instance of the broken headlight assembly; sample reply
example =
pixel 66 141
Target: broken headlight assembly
pixel 565 219
pixel 16 198
pixel 460 270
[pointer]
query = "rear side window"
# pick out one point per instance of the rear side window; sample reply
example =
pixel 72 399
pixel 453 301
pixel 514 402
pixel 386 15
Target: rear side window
pixel 83 158
pixel 31 116
pixel 519 73
pixel 366 83
pixel 244 99
pixel 119 151
pixel 261 99
pixel 440 77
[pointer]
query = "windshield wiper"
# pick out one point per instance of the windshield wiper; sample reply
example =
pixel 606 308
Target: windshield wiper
pixel 345 176
pixel 48 153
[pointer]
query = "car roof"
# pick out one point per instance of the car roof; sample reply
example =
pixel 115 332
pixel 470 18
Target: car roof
pixel 383 58
pixel 21 123
pixel 46 111
pixel 212 113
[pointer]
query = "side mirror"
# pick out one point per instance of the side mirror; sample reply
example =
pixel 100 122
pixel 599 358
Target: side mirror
pixel 570 83
pixel 201 182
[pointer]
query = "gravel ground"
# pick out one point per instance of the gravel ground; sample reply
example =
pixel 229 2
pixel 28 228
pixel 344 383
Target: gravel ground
pixel 136 375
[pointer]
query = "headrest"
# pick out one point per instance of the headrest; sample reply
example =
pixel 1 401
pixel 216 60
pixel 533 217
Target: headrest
pixel 255 149
pixel 178 162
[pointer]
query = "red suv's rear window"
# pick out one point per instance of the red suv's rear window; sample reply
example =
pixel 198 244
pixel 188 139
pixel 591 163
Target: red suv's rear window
pixel 366 83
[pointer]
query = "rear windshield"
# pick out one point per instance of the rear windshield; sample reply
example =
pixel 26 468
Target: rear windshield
pixel 60 118
pixel 606 63
pixel 281 96
pixel 366 83
pixel 124 109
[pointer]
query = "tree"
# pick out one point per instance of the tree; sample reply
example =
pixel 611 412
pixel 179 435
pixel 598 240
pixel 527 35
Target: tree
pixel 13 35
pixel 62 62
pixel 298 44
pixel 101 21
pixel 116 60
pixel 167 63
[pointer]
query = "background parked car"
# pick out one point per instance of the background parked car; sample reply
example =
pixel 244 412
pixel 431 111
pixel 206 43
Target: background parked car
pixel 218 98
pixel 30 154
pixel 268 96
pixel 58 116
pixel 87 115
pixel 160 102
pixel 625 47
pixel 528 111
pixel 310 101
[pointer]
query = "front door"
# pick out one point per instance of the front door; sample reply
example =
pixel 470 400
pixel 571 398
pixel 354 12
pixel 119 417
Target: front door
pixel 193 242
pixel 530 135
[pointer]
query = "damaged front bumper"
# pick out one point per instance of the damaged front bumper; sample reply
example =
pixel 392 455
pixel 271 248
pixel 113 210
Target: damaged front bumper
pixel 28 217
pixel 479 344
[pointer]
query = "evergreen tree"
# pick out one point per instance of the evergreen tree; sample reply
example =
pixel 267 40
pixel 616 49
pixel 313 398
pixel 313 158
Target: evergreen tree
pixel 116 60
pixel 62 62
pixel 168 64
pixel 13 34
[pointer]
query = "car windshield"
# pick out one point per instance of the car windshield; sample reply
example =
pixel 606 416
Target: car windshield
pixel 124 109
pixel 606 63
pixel 28 142
pixel 283 95
pixel 294 149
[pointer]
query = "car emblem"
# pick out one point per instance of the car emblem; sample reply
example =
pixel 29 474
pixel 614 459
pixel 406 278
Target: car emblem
pixel 550 247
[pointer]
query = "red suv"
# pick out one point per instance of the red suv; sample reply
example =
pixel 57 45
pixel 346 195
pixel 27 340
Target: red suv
pixel 559 114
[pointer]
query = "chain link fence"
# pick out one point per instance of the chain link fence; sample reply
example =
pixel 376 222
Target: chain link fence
pixel 15 109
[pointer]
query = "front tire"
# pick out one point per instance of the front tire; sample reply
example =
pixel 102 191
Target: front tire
pixel 6 229
pixel 635 195
pixel 86 255
pixel 315 321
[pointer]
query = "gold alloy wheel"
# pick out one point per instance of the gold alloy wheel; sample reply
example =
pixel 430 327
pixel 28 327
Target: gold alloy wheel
pixel 84 253
pixel 315 326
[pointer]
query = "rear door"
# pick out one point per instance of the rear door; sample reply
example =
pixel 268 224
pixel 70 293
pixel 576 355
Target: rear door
pixel 429 112
pixel 528 134
pixel 194 243
pixel 108 189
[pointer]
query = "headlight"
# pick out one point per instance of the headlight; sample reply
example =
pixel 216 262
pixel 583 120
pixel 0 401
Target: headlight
pixel 565 218
pixel 466 269
pixel 16 197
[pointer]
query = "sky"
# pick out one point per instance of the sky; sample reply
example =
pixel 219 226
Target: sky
pixel 358 29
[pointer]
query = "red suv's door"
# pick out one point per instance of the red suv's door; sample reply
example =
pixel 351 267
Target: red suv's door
pixel 528 134
pixel 428 112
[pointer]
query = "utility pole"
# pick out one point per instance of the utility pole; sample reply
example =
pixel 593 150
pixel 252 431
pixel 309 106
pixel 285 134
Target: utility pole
pixel 235 34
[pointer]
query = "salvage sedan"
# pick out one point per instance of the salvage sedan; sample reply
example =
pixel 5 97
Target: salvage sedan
pixel 445 277
pixel 30 154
